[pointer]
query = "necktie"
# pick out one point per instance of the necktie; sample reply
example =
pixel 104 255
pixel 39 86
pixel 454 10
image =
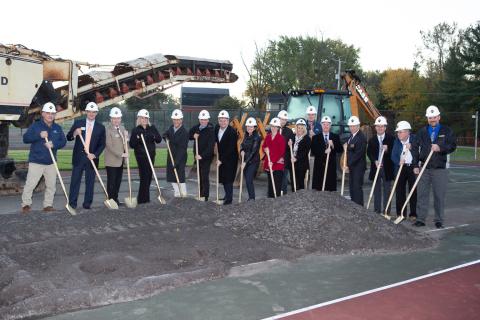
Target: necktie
pixel 432 135
pixel 326 139
pixel 380 147
pixel 88 136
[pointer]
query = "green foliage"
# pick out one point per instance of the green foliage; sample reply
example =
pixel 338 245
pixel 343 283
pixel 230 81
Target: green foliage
pixel 229 103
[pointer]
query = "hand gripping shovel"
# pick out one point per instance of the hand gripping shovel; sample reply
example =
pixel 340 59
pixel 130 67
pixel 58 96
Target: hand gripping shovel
pixel 241 179
pixel 174 169
pixel 399 219
pixel 376 177
pixel 67 206
pixel 160 198
pixel 198 169
pixel 109 203
pixel 293 171
pixel 344 168
pixel 326 169
pixel 271 174
pixel 130 202
pixel 385 214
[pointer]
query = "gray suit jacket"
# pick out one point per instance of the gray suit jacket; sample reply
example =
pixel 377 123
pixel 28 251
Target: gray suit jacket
pixel 114 146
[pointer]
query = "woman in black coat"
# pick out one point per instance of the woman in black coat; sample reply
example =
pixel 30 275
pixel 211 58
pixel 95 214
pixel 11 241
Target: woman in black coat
pixel 151 136
pixel 300 148
pixel 320 143
pixel 226 138
pixel 250 148
pixel 177 137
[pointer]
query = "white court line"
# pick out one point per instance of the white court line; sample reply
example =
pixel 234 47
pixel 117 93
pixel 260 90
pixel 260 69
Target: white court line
pixel 475 181
pixel 448 228
pixel 371 291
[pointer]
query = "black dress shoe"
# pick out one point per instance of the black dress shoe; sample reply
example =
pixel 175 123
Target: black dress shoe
pixel 439 225
pixel 86 206
pixel 419 224
pixel 226 202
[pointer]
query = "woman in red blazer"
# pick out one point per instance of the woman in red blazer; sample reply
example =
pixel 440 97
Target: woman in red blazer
pixel 274 144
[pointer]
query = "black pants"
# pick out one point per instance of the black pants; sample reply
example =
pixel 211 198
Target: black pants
pixel 114 179
pixel 277 177
pixel 299 178
pixel 145 173
pixel 205 177
pixel 407 177
pixel 228 187
pixel 355 181
pixel 249 172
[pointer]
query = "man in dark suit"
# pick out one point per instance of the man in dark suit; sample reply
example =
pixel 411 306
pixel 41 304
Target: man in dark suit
pixel 226 138
pixel 381 141
pixel 356 160
pixel 93 133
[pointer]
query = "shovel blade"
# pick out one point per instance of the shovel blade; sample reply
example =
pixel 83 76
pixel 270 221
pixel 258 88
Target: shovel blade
pixel 111 204
pixel 70 210
pixel 399 219
pixel 130 202
pixel 161 200
pixel 386 216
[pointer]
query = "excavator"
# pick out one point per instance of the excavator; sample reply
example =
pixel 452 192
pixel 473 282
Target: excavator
pixel 29 78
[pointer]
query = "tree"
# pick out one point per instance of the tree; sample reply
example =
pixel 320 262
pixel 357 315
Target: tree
pixel 229 103
pixel 372 81
pixel 257 89
pixel 469 53
pixel 156 101
pixel 403 90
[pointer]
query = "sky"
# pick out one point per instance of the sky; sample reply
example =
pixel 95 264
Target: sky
pixel 108 32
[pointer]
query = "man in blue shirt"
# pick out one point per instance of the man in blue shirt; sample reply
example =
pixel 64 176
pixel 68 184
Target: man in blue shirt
pixel 39 160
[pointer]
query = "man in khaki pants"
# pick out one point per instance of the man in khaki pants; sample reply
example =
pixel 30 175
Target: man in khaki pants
pixel 39 160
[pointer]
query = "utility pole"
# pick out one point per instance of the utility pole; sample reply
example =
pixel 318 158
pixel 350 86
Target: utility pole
pixel 339 71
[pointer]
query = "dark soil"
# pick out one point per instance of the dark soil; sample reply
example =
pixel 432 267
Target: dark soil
pixel 54 263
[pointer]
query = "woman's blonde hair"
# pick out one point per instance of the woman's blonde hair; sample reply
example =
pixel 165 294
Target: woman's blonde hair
pixel 138 121
pixel 304 128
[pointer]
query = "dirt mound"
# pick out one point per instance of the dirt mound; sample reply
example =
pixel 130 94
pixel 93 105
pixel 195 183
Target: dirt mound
pixel 319 221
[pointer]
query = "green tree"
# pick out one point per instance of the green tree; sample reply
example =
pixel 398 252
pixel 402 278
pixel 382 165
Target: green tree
pixel 469 53
pixel 229 103
pixel 403 90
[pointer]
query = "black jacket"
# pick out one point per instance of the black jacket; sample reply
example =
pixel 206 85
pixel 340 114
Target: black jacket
pixel 356 150
pixel 151 136
pixel 287 134
pixel 251 146
pixel 302 163
pixel 373 152
pixel 227 154
pixel 178 142
pixel 206 141
pixel 318 148
pixel 422 145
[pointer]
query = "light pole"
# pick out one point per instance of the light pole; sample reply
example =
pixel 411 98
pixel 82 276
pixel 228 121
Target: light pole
pixel 475 116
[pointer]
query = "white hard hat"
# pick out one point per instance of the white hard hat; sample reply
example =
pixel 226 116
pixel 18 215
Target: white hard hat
pixel 311 110
pixel 301 122
pixel 204 115
pixel 326 119
pixel 432 111
pixel 177 114
pixel 143 113
pixel 49 107
pixel 353 121
pixel 91 106
pixel 223 114
pixel 275 122
pixel 115 112
pixel 403 125
pixel 283 115
pixel 251 122
pixel 381 121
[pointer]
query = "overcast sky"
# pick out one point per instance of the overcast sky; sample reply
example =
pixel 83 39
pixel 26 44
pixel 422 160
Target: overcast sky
pixel 108 32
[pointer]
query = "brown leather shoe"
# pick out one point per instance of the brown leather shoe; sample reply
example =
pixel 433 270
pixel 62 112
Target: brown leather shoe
pixel 25 209
pixel 48 209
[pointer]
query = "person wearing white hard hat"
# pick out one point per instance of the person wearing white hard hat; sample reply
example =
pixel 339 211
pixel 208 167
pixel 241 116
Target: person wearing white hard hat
pixel 401 154
pixel 356 160
pixel 250 149
pixel 226 140
pixel 381 141
pixel 300 148
pixel 115 152
pixel 151 137
pixel 313 127
pixel 177 137
pixel 205 133
pixel 440 140
pixel 322 144
pixel 289 137
pixel 39 160
pixel 93 133
pixel 275 145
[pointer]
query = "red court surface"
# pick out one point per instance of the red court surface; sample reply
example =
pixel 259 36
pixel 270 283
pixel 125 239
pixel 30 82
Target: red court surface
pixel 453 293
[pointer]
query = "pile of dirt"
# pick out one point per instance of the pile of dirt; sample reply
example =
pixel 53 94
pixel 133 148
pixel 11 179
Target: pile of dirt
pixel 322 222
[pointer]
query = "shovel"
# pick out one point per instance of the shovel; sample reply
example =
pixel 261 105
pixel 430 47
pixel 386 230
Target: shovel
pixel 271 174
pixel 400 219
pixel 376 177
pixel 160 198
pixel 218 201
pixel 130 202
pixel 109 203
pixel 307 174
pixel 293 170
pixel 385 215
pixel 67 206
pixel 310 174
pixel 174 169
pixel 326 169
pixel 198 169
pixel 241 179
pixel 344 168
